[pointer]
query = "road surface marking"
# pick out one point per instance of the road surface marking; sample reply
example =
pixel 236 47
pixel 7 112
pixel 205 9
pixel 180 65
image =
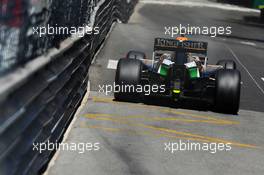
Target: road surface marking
pixel 170 118
pixel 161 109
pixel 244 67
pixel 112 64
pixel 248 43
pixel 262 78
pixel 198 116
pixel 218 122
pixel 201 4
pixel 170 131
pixel 148 133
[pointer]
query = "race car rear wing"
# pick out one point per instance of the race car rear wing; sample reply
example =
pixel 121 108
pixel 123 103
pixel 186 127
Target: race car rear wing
pixel 176 45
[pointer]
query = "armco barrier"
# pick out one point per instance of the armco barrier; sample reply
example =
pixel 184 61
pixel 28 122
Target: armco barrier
pixel 39 99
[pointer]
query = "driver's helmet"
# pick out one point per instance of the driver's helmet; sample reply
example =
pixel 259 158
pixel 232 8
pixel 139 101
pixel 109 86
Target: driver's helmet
pixel 166 56
pixel 196 58
pixel 182 38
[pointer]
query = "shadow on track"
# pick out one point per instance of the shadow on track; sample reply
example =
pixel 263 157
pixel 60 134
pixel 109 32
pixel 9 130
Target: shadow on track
pixel 182 104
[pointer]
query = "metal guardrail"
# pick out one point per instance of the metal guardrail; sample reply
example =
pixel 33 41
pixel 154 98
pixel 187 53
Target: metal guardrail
pixel 39 99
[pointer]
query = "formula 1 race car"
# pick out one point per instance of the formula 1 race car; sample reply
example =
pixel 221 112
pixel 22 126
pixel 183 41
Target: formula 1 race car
pixel 179 69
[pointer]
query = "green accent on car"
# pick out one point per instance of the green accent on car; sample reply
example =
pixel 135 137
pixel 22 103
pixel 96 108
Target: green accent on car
pixel 194 72
pixel 164 70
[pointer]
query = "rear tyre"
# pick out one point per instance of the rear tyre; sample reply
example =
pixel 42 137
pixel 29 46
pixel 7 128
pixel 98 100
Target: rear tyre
pixel 227 95
pixel 136 55
pixel 128 76
pixel 227 64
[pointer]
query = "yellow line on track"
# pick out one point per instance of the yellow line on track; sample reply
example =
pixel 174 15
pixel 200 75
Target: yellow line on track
pixel 114 130
pixel 123 120
pixel 172 111
pixel 217 122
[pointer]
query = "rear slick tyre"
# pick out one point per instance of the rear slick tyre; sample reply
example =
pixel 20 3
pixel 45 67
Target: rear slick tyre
pixel 227 96
pixel 128 76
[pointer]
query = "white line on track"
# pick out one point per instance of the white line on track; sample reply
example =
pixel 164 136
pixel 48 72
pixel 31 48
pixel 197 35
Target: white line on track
pixel 200 4
pixel 112 64
pixel 248 43
pixel 244 67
